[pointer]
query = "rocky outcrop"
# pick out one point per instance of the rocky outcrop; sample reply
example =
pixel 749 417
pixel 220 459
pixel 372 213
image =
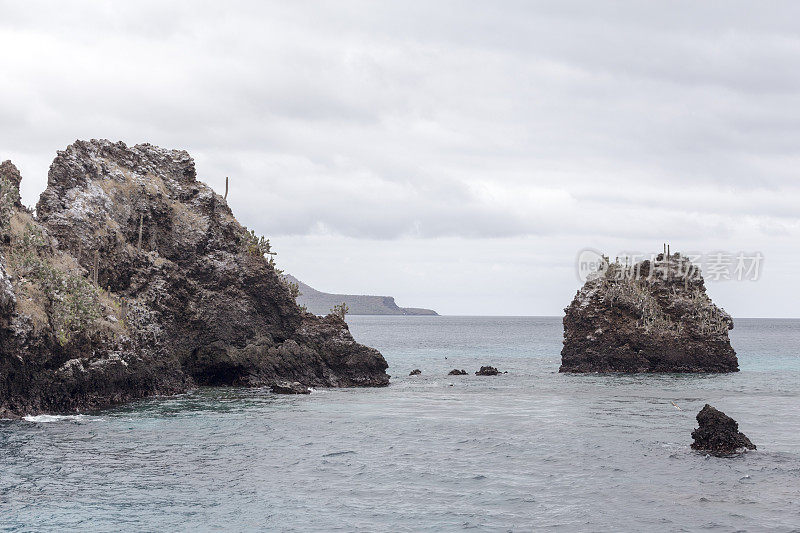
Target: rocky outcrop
pixel 487 371
pixel 457 372
pixel 286 387
pixel 9 173
pixel 719 434
pixel 136 280
pixel 415 372
pixel 647 317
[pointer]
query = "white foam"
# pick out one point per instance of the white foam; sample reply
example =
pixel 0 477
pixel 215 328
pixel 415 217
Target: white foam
pixel 52 418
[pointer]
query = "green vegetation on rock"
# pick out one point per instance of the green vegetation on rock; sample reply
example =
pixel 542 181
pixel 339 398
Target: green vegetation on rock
pixel 72 302
pixel 340 310
pixel 9 197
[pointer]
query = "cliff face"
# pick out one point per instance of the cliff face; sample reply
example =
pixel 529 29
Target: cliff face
pixel 648 317
pixel 320 303
pixel 136 279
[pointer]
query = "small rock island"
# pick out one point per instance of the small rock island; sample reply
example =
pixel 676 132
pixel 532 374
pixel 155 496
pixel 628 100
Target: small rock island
pixel 134 279
pixel 651 316
pixel 719 434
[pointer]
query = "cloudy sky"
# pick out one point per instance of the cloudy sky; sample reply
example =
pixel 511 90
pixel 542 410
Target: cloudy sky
pixel 457 155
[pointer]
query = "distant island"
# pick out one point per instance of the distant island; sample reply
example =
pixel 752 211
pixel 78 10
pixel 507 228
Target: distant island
pixel 321 303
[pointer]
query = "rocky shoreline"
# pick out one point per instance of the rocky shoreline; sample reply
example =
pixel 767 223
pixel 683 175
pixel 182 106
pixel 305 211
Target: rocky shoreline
pixel 135 279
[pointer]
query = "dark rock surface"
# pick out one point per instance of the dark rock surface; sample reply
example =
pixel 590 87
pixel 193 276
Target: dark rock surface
pixel 648 317
pixel 718 433
pixel 415 372
pixel 286 387
pixel 457 372
pixel 487 371
pixel 196 304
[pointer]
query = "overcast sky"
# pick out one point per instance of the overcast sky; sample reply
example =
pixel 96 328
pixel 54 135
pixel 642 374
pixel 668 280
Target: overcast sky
pixel 456 155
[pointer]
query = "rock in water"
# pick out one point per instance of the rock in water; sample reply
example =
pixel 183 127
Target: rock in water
pixel 487 371
pixel 415 372
pixel 286 387
pixel 136 279
pixel 648 317
pixel 457 372
pixel 718 433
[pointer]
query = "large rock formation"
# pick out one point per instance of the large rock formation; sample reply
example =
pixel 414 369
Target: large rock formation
pixel 647 317
pixel 718 433
pixel 9 173
pixel 136 280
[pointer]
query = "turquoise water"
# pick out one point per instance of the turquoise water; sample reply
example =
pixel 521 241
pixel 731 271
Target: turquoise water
pixel 531 449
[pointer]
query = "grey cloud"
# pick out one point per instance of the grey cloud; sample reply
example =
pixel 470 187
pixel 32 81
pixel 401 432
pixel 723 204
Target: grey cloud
pixel 424 120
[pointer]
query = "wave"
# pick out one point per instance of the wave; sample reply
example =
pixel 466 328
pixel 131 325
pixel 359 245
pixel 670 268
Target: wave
pixel 53 418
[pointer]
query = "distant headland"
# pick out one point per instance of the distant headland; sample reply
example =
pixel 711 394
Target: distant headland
pixel 321 303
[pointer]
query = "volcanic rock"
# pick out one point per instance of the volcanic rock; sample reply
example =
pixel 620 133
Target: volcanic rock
pixel 718 433
pixel 457 372
pixel 647 317
pixel 10 174
pixel 487 371
pixel 415 372
pixel 136 279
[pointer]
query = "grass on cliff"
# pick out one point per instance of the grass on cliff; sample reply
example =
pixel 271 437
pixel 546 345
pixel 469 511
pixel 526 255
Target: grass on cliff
pixel 259 246
pixel 51 287
pixel 9 196
pixel 637 296
pixel 691 309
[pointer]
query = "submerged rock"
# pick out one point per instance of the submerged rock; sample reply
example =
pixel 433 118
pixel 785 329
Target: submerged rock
pixel 136 279
pixel 487 371
pixel 648 317
pixel 286 387
pixel 457 372
pixel 718 433
pixel 415 372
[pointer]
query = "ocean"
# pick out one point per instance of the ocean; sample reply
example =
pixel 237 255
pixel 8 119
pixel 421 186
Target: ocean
pixel 528 450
